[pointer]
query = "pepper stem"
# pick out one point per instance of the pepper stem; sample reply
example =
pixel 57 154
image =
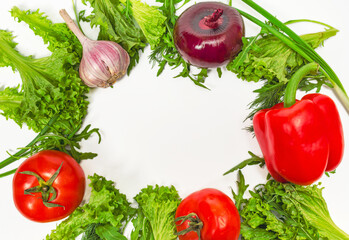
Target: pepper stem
pixel 195 224
pixel 292 85
pixel 211 21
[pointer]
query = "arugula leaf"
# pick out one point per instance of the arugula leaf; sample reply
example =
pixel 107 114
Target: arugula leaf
pixel 106 206
pixel 253 160
pixel 116 24
pixel 157 207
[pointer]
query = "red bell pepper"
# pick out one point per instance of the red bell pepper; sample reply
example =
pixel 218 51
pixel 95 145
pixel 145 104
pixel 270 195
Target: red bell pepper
pixel 299 143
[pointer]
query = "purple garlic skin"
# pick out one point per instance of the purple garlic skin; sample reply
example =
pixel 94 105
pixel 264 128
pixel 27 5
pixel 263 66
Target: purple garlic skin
pixel 102 63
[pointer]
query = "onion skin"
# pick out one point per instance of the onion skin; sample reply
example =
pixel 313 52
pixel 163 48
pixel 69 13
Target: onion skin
pixel 207 46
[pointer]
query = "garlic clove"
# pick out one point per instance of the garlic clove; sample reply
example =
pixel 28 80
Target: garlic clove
pixel 103 62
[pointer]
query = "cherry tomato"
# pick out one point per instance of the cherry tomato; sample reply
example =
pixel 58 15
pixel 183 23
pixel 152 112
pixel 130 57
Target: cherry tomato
pixel 213 214
pixel 48 186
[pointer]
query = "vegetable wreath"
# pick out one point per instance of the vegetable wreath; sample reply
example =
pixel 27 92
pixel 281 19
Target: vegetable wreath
pixel 300 139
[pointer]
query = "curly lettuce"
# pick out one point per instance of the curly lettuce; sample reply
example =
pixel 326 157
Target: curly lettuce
pixel 150 20
pixel 117 24
pixel 157 207
pixel 50 85
pixel 106 214
pixel 285 211
pixel 267 57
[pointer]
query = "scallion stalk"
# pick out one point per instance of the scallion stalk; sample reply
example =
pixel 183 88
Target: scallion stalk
pixel 296 43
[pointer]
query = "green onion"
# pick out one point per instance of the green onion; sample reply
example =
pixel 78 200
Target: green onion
pixel 296 43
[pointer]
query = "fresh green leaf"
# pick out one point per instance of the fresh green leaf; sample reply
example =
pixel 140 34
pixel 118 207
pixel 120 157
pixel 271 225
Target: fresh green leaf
pixel 142 228
pixel 108 232
pixel 90 232
pixel 265 58
pixel 165 52
pixel 150 20
pixel 117 24
pixel 157 207
pixel 10 101
pixel 285 211
pixel 56 35
pixel 253 160
pixel 106 206
pixel 242 187
pixel 269 58
pixel 50 85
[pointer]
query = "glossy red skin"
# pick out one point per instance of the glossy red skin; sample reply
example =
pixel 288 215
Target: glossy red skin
pixel 301 142
pixel 208 51
pixel 70 186
pixel 216 210
pixel 333 127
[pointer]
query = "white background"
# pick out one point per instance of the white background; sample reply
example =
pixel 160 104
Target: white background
pixel 161 130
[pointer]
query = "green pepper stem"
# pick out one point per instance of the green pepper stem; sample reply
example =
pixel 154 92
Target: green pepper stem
pixel 292 85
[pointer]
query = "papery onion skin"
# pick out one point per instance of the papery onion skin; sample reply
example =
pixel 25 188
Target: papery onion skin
pixel 204 46
pixel 102 63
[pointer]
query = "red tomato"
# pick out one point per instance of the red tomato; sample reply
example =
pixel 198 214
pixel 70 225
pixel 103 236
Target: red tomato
pixel 217 212
pixel 69 186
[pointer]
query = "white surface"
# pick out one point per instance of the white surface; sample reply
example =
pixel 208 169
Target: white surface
pixel 161 130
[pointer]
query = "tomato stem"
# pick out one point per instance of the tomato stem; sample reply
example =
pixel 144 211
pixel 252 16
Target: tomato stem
pixel 195 224
pixel 45 188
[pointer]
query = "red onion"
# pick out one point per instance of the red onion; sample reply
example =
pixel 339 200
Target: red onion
pixel 103 62
pixel 208 34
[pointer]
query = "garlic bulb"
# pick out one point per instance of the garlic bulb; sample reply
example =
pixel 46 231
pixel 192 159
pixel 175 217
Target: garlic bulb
pixel 103 62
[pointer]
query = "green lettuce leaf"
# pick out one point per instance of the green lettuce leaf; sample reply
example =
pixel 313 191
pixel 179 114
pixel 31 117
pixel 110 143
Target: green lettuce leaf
pixel 50 85
pixel 269 58
pixel 117 24
pixel 108 232
pixel 150 20
pixel 106 207
pixel 10 101
pixel 157 207
pixel 56 35
pixel 285 211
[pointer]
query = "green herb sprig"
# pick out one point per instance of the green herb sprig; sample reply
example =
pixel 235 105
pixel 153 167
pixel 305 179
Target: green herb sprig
pixel 48 139
pixel 165 53
pixel 299 45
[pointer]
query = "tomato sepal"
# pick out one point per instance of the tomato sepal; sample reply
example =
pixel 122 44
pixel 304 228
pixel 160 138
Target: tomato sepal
pixel 195 224
pixel 44 187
